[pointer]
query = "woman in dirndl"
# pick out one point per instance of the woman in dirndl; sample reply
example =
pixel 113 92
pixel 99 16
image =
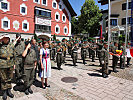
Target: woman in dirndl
pixel 45 64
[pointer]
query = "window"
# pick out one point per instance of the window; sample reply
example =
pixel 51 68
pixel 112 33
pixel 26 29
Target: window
pixel 65 30
pixel 5 23
pixel 42 13
pixel 113 22
pixel 124 21
pixel 4 5
pixel 23 9
pixel 54 4
pixel 44 2
pixel 60 6
pixel 36 1
pixel 43 28
pixel 64 18
pixel 25 25
pixel 124 5
pixel 57 29
pixel 57 16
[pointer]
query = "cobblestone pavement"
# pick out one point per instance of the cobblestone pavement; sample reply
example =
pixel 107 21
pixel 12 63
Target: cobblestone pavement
pixel 88 85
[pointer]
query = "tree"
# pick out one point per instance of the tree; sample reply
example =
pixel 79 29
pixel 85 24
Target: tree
pixel 90 18
pixel 75 28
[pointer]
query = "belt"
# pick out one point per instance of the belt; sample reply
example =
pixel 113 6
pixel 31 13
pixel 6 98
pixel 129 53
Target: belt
pixel 8 58
pixel 45 57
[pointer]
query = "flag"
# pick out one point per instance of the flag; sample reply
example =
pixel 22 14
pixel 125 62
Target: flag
pixel 129 52
pixel 119 53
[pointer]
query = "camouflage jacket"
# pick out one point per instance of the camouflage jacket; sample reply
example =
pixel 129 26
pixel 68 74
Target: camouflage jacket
pixel 19 49
pixel 7 57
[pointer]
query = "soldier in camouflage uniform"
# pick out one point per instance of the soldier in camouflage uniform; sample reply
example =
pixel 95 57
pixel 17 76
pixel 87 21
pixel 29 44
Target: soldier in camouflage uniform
pixel 104 60
pixel 7 61
pixel 30 62
pixel 19 49
pixel 84 49
pixel 64 49
pixel 122 57
pixel 100 47
pixel 93 47
pixel 115 57
pixel 59 54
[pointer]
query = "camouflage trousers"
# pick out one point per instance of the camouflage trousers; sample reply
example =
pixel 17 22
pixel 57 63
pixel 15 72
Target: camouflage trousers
pixel 6 75
pixel 19 71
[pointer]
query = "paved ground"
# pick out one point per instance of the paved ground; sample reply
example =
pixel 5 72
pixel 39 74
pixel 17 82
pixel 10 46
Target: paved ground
pixel 88 85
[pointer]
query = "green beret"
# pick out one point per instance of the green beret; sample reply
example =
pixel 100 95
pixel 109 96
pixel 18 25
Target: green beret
pixel 58 42
pixel 63 39
pixel 84 40
pixel 22 39
pixel 39 41
pixel 105 43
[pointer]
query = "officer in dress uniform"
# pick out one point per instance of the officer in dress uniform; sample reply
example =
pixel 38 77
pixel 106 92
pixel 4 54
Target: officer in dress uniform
pixel 122 57
pixel 19 49
pixel 7 62
pixel 30 63
pixel 115 57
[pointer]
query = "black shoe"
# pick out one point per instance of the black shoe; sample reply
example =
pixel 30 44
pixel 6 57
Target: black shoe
pixel 115 71
pixel 5 95
pixel 93 61
pixel 19 82
pixel 26 92
pixel 122 68
pixel 47 85
pixel 9 93
pixel 84 63
pixel 105 76
pixel 30 91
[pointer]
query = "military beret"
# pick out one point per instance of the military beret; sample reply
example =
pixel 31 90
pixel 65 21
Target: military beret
pixel 84 40
pixel 39 41
pixel 58 42
pixel 22 39
pixel 63 39
pixel 27 42
pixel 18 34
pixel 105 42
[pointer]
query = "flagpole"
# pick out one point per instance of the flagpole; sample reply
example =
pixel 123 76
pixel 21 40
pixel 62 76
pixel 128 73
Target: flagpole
pixel 109 12
pixel 126 28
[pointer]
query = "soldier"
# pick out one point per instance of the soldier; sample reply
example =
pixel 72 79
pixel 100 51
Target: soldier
pixel 115 57
pixel 93 47
pixel 19 49
pixel 64 49
pixel 122 57
pixel 104 60
pixel 7 61
pixel 83 50
pixel 30 62
pixel 59 54
pixel 100 47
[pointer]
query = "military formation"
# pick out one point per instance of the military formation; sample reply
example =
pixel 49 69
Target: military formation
pixel 23 57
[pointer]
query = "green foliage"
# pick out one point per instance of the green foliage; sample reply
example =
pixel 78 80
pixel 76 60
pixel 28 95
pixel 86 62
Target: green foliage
pixel 35 37
pixel 54 37
pixel 75 28
pixel 90 18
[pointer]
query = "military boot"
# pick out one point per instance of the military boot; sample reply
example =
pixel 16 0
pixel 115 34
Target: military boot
pixel 114 69
pixel 26 92
pixel 105 75
pixel 30 91
pixel 5 95
pixel 9 93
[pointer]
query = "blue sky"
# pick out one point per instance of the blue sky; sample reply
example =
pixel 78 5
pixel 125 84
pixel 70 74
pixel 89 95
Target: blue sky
pixel 76 4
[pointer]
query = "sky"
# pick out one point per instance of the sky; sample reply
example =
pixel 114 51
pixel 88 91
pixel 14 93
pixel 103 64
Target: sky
pixel 77 4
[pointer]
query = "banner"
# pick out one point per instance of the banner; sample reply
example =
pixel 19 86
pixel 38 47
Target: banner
pixel 132 23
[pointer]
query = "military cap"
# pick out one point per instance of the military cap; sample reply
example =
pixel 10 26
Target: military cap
pixel 58 42
pixel 105 42
pixel 18 34
pixel 27 42
pixel 22 39
pixel 39 41
pixel 63 39
pixel 84 40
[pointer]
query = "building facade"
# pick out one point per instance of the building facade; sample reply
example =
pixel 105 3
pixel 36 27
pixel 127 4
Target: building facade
pixel 118 17
pixel 41 17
